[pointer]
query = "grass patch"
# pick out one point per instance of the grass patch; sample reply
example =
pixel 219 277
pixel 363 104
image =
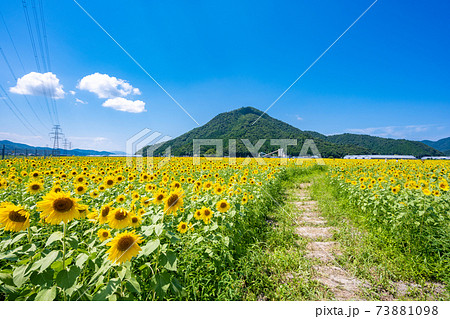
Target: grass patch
pixel 276 267
pixel 374 256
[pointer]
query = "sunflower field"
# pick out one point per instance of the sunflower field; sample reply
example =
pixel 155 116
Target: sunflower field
pixel 406 203
pixel 102 229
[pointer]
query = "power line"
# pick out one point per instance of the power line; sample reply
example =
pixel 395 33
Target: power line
pixel 36 58
pixel 15 78
pixel 44 32
pixel 30 32
pixel 18 111
pixel 38 33
pixel 14 46
pixel 44 53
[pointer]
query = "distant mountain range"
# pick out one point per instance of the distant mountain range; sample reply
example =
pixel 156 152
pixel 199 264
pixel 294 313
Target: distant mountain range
pixel 24 149
pixel 240 124
pixel 442 145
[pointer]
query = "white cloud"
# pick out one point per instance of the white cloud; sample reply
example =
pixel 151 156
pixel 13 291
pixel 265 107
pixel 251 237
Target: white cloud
pixel 77 100
pixel 406 131
pixel 105 86
pixel 72 92
pixel 35 83
pixel 299 118
pixel 124 105
pixel 98 143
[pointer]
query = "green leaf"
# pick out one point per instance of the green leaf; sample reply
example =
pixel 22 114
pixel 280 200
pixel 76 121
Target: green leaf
pixel 150 247
pixel 43 279
pixel 67 278
pixel 169 260
pixel 176 286
pixel 49 259
pixel 133 286
pixel 81 259
pixel 160 283
pixel 20 275
pixel 159 229
pixel 46 294
pixel 54 237
pixel 17 238
pixel 121 272
pixel 108 290
pixel 6 278
pixel 72 241
pixel 147 230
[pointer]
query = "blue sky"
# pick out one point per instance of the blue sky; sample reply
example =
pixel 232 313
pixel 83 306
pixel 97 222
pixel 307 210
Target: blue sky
pixel 389 75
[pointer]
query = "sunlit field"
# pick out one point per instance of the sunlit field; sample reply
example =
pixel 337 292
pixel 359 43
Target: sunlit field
pixel 95 228
pixel 104 229
pixel 407 203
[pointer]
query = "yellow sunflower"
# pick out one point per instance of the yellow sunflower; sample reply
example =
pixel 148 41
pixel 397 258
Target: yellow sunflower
pixel 159 197
pixel 182 227
pixel 173 202
pixel 94 193
pixel 123 247
pixel 58 207
pixel 80 189
pixel 14 218
pixel 120 199
pixel 109 182
pixel 198 214
pixel 103 234
pixel 222 206
pixel 136 220
pixel 35 187
pixel 119 218
pixel 104 212
pixel 207 214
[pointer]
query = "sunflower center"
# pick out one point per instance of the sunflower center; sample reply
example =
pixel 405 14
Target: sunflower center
pixel 80 188
pixel 35 187
pixel 223 205
pixel 62 205
pixel 160 197
pixel 183 226
pixel 105 234
pixel 120 215
pixel 134 220
pixel 207 213
pixel 172 200
pixel 16 217
pixel 125 243
pixel 105 211
pixel 110 182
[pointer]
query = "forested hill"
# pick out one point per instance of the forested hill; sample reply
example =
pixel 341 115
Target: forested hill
pixel 389 146
pixel 442 145
pixel 238 124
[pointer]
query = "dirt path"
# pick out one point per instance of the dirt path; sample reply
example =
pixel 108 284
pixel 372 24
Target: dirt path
pixel 321 249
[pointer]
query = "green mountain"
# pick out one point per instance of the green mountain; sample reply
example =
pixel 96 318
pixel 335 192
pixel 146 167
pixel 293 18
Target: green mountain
pixel 18 149
pixel 237 125
pixel 385 146
pixel 442 145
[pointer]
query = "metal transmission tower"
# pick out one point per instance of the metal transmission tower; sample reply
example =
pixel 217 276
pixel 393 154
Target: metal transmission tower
pixel 56 135
pixel 67 146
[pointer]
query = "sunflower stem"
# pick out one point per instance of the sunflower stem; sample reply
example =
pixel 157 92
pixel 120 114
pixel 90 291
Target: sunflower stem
pixel 64 255
pixel 64 246
pixel 29 235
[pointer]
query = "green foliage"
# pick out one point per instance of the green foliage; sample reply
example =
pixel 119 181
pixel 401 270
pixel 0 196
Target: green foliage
pixel 442 145
pixel 385 146
pixel 238 124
